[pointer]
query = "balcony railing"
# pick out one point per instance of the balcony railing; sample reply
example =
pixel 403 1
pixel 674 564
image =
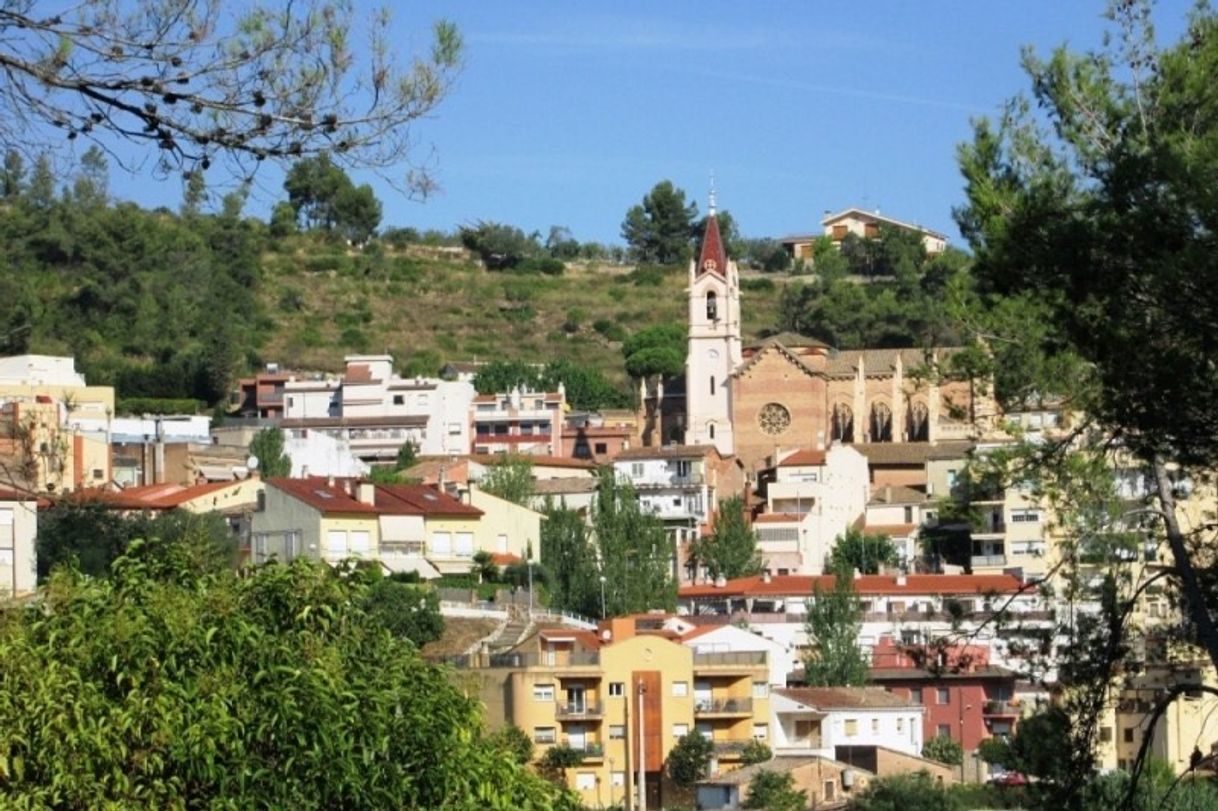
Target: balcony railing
pixel 749 658
pixel 730 748
pixel 723 706
pixel 590 751
pixel 578 709
pixel 1003 708
pixel 989 560
pixel 548 659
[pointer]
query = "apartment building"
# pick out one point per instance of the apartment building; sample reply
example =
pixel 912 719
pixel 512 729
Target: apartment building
pixel 811 498
pixel 376 411
pixel 817 720
pixel 624 699
pixel 518 421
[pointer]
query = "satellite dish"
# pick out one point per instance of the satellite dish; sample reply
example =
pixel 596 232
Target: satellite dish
pixel 252 463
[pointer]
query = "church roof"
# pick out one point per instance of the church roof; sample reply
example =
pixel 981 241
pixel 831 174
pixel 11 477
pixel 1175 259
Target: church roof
pixel 883 361
pixel 778 346
pixel 712 249
pixel 791 340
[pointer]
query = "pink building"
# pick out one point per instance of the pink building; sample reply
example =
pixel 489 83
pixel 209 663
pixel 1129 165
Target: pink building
pixel 518 421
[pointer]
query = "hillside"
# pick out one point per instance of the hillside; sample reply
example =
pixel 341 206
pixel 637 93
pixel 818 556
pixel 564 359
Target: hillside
pixel 429 306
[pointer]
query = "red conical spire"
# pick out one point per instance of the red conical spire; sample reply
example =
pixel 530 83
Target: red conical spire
pixel 713 258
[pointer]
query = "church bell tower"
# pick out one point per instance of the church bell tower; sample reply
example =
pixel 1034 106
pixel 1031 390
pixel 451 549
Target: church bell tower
pixel 714 342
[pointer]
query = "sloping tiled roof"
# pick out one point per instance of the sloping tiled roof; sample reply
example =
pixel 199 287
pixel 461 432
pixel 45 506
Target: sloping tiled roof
pixel 419 499
pixel 791 340
pixel 802 585
pixel 712 249
pixel 901 673
pixel 565 486
pixel 164 496
pixel 845 363
pixel 835 698
pixel 804 458
pixel 875 215
pixel 326 498
pixel 535 459
pixel 668 452
pixel 744 775
pixel 777 346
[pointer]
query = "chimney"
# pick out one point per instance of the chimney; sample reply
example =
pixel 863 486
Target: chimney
pixel 367 493
pixel 901 581
pixel 329 481
pixel 765 575
pixel 720 582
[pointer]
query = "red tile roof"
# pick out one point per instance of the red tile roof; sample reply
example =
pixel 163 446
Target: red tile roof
pixel 325 498
pixel 13 495
pixel 503 559
pixel 802 585
pixel 420 499
pixel 830 698
pixel 890 529
pixel 714 257
pixel 804 458
pixel 358 373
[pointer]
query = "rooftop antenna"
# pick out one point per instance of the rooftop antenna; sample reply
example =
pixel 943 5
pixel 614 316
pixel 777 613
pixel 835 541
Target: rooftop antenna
pixel 712 193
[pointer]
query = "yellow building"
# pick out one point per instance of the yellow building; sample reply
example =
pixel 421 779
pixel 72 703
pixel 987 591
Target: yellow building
pixel 613 693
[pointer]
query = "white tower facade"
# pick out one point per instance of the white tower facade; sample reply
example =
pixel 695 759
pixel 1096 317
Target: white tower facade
pixel 714 343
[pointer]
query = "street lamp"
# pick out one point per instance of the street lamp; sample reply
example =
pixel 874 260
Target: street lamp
pixel 603 597
pixel 529 564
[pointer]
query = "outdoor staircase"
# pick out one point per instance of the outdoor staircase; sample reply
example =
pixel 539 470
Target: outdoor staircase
pixel 517 626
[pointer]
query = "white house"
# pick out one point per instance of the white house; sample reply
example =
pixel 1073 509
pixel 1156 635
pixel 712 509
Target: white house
pixel 733 639
pixel 812 497
pixel 18 557
pixel 377 411
pixel 320 454
pixel 817 720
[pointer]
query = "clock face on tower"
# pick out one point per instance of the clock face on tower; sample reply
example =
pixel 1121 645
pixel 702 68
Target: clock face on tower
pixel 774 418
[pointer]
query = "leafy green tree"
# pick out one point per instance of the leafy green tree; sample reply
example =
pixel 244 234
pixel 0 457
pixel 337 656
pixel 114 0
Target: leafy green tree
pixel 484 567
pixel 407 456
pixel 90 537
pixel 322 194
pixel 861 552
pixel 658 350
pixel 835 618
pixel 509 478
pixel 500 376
pixel 1088 206
pixel 284 221
pixel 634 551
pixel 944 749
pixel 160 687
pixel 499 246
pixel 566 553
pixel 194 194
pixel 291 83
pixel 384 474
pixel 357 213
pixel 913 791
pixel 557 759
pixel 267 448
pixel 775 791
pixel 731 551
pixel 560 244
pixel 659 228
pixel 1038 748
pixel 585 387
pixel 517 743
pixel 755 751
pixel 408 611
pixel 689 759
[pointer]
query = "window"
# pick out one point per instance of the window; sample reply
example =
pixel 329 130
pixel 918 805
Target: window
pixel 712 385
pixel 336 541
pixel 1129 735
pixel 483 429
pixel 1105 734
pixel 683 468
pixel 915 695
pixel 601 447
pixel 98 473
pixel 617 689
pixel 617 779
pixel 465 545
pixel 712 308
pixel 852 727
pixel 680 688
pixel 360 544
pixel 441 543
pixel 617 732
pixel 944 730
pixel 875 726
pixel 711 429
pixel 760 689
pixel 543 735
pixel 680 730
pixel 900 725
pixel 761 731
pixel 585 781
pixel 636 469
pixel 909 515
pixel 830 792
pixel 399 399
pixel 543 692
pixel 942 695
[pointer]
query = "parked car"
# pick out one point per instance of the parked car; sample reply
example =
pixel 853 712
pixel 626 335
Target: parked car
pixel 1009 779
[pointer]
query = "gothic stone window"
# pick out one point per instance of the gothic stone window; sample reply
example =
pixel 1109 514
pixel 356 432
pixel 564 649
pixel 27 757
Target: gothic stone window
pixel 918 423
pixel 881 423
pixel 774 418
pixel 843 423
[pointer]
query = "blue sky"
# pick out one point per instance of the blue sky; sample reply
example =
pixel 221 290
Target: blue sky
pixel 566 114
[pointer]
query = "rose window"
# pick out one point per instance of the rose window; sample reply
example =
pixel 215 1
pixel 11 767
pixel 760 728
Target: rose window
pixel 774 419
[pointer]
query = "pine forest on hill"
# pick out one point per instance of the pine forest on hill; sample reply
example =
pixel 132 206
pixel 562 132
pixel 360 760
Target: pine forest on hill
pixel 176 305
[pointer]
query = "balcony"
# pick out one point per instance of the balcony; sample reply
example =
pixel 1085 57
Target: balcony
pixel 723 707
pixel 1002 709
pixel 548 659
pixel 730 750
pixel 989 560
pixel 578 710
pixel 727 662
pixel 591 751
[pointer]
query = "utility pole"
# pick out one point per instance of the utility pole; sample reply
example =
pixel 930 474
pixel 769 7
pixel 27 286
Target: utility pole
pixel 642 781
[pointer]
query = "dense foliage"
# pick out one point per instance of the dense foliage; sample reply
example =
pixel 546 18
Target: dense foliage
pixel 90 537
pixel 944 749
pixel 585 388
pixel 862 552
pixel 689 758
pixel 731 550
pixel 509 478
pixel 267 448
pixel 775 791
pixel 659 228
pixel 164 688
pixel 913 791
